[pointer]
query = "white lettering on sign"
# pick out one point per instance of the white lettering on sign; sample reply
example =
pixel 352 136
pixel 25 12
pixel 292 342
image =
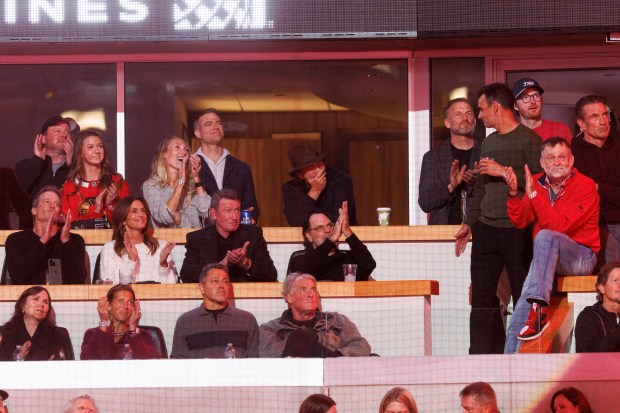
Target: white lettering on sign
pixel 54 9
pixel 187 14
pixel 10 11
pixel 133 11
pixel 92 11
pixel 220 14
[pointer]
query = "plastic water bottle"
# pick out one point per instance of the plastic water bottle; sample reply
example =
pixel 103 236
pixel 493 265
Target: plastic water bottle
pixel 127 353
pixel 230 352
pixel 18 355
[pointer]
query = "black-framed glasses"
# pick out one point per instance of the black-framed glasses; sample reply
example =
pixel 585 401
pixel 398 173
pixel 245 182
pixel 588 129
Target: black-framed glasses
pixel 535 96
pixel 322 228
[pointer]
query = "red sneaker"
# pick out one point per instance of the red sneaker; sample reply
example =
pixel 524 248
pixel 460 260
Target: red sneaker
pixel 536 324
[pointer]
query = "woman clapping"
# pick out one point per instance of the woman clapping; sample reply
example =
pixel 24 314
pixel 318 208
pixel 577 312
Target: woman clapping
pixel 174 190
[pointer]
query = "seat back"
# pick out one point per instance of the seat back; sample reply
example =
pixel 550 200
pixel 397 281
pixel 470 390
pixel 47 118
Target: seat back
pixel 96 270
pixel 290 260
pixel 5 278
pixel 158 338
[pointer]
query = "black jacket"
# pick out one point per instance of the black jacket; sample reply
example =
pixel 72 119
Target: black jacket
pixel 597 330
pixel 603 166
pixel 327 267
pixel 201 249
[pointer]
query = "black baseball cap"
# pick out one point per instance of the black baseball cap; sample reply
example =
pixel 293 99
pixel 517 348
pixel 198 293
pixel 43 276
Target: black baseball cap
pixel 55 120
pixel 523 84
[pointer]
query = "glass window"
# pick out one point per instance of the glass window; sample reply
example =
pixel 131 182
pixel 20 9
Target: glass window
pixel 450 79
pixel 356 111
pixel 31 94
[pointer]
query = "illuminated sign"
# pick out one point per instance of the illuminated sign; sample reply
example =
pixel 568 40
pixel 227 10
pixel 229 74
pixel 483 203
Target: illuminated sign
pixel 114 20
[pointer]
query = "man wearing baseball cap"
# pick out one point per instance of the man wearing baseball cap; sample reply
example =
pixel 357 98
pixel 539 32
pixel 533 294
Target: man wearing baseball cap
pixel 3 406
pixel 529 103
pixel 53 151
pixel 315 187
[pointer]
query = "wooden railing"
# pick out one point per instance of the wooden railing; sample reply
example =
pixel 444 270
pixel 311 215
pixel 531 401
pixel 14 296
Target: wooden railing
pixel 285 235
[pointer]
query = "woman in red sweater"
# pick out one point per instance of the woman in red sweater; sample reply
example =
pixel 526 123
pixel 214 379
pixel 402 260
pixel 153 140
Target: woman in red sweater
pixel 93 187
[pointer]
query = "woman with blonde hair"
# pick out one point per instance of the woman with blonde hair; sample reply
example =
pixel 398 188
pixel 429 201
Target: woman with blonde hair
pixel 398 400
pixel 174 191
pixel 93 187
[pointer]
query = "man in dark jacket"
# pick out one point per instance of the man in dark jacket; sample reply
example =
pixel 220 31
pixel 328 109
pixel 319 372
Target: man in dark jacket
pixel 322 256
pixel 315 187
pixel 241 248
pixel 597 155
pixel 28 252
pixel 598 326
pixel 13 197
pixel 219 168
pixel 449 172
pixel 51 160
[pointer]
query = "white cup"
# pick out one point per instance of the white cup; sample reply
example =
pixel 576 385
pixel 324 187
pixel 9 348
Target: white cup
pixel 350 272
pixel 383 215
pixel 125 276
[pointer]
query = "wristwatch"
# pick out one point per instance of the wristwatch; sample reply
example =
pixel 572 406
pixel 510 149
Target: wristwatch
pixel 533 195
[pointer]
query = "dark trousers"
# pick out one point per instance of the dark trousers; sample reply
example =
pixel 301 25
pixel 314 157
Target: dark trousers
pixel 492 249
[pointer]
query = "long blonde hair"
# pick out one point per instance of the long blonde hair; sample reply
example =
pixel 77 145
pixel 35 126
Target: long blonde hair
pixel 159 172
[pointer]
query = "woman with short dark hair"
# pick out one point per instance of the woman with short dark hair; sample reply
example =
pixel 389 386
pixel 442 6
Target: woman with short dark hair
pixel 33 327
pixel 569 400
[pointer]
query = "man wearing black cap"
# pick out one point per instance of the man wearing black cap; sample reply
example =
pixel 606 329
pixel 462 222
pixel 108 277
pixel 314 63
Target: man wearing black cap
pixel 3 407
pixel 315 187
pixel 53 151
pixel 529 103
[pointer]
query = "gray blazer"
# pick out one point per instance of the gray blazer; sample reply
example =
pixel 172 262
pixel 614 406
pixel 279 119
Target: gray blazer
pixel 434 197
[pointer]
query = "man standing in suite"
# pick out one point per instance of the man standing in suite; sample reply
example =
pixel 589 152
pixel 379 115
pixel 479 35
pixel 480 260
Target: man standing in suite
pixel 219 168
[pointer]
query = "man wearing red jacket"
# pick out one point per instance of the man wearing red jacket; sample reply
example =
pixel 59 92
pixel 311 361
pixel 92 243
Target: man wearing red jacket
pixel 563 204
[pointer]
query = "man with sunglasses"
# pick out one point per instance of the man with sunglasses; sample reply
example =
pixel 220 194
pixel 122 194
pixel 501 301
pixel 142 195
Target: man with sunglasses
pixel 322 258
pixel 529 103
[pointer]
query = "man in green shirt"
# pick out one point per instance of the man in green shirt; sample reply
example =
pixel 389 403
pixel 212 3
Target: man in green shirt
pixel 495 242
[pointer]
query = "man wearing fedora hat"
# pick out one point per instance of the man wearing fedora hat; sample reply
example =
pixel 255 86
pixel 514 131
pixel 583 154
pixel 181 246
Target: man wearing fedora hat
pixel 53 150
pixel 315 187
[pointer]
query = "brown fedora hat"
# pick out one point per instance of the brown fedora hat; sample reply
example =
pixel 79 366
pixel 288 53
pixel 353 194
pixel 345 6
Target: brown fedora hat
pixel 302 156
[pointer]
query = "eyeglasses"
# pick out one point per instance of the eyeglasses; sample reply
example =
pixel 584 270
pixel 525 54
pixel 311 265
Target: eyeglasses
pixel 322 228
pixel 535 96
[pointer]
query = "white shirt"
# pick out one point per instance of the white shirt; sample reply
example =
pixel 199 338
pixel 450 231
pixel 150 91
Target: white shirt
pixel 150 270
pixel 217 168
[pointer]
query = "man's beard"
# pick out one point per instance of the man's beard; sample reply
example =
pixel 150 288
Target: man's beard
pixel 462 130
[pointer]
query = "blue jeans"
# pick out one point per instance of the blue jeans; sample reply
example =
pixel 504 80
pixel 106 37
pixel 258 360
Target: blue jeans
pixel 553 253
